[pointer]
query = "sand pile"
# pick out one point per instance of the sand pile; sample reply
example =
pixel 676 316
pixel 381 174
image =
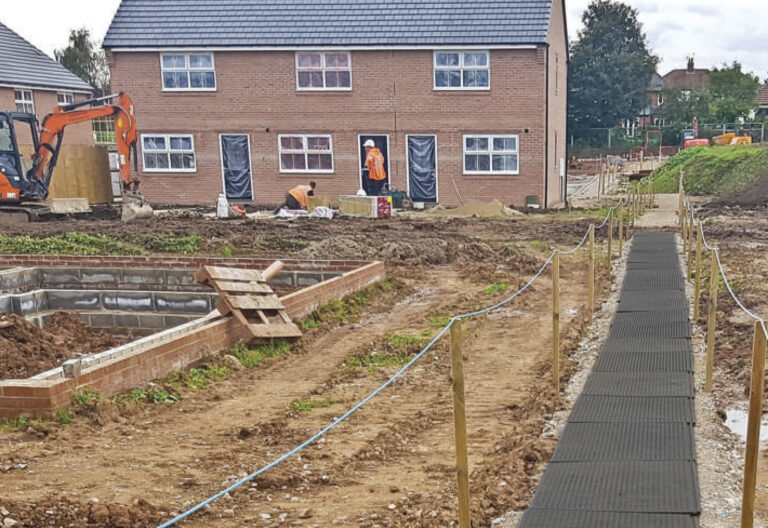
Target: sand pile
pixel 475 209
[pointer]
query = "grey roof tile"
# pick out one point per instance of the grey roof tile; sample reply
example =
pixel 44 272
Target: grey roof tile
pixel 23 64
pixel 231 23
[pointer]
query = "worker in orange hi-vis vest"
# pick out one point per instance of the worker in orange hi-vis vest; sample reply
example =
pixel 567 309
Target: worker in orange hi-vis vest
pixel 374 160
pixel 298 197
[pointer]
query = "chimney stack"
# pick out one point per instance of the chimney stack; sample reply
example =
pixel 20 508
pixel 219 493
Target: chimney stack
pixel 690 64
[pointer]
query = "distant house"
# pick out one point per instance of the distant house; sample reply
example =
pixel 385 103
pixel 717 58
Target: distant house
pixel 466 99
pixel 762 101
pixel 32 82
pixel 689 78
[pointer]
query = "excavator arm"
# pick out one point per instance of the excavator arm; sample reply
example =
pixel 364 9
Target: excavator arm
pixel 53 132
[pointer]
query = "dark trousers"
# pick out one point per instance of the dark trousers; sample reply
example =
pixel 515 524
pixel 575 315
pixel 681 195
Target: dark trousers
pixel 375 186
pixel 289 203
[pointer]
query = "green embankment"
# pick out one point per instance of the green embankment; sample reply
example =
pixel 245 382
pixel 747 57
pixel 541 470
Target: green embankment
pixel 716 171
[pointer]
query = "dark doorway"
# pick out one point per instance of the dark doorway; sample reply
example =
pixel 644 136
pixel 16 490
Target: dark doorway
pixel 422 168
pixel 381 141
pixel 236 166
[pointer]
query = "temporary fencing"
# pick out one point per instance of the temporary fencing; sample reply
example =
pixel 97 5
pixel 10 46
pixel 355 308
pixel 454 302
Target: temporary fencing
pixel 632 204
pixel 693 228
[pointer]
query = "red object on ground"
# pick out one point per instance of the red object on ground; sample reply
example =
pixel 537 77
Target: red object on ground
pixel 383 207
pixel 696 143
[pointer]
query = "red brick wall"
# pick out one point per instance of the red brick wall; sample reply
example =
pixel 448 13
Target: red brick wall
pixel 45 103
pixel 42 397
pixel 392 94
pixel 558 97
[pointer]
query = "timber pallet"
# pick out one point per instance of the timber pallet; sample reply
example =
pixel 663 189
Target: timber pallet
pixel 246 295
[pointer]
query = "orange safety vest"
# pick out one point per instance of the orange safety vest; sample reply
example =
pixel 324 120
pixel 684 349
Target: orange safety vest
pixel 301 192
pixel 375 163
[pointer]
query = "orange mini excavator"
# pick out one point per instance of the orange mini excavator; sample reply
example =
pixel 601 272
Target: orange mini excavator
pixel 24 184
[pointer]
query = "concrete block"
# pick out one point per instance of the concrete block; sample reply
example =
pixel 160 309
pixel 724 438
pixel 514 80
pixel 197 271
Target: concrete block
pixel 6 304
pixel 126 320
pixel 152 321
pixel 190 303
pixel 105 276
pixel 180 278
pixel 128 301
pixel 20 280
pixel 308 279
pixel 172 321
pixel 58 277
pixel 73 300
pixel 285 279
pixel 144 277
pixel 102 320
pixel 72 368
pixel 29 303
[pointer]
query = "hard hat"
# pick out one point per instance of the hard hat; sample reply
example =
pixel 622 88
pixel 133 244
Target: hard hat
pixel 369 143
pixel 361 192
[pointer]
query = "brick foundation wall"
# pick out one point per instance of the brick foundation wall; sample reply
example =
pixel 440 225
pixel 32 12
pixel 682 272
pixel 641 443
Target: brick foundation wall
pixel 41 397
pixel 392 93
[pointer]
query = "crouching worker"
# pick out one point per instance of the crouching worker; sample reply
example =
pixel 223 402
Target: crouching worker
pixel 298 197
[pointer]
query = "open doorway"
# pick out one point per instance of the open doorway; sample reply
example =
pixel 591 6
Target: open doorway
pixel 382 142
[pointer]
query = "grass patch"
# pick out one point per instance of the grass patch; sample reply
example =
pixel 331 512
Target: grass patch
pixel 347 310
pixel 22 422
pixel 712 170
pixel 252 356
pixel 147 396
pixel 85 396
pixel 311 403
pixel 540 246
pixel 438 321
pixel 226 251
pixel 374 361
pixel 398 340
pixel 67 244
pixel 63 417
pixel 199 378
pixel 495 288
pixel 309 324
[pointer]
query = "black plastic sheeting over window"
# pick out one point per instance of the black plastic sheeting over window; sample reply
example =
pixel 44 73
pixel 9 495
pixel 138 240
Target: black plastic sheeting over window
pixel 422 168
pixel 237 167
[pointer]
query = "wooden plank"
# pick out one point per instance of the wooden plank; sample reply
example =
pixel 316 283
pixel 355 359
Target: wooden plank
pixel 202 277
pixel 460 424
pixel 223 307
pixel 242 287
pixel 753 428
pixel 246 302
pixel 274 331
pixel 234 274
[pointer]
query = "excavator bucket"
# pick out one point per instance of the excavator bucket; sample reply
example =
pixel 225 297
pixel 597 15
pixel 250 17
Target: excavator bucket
pixel 135 207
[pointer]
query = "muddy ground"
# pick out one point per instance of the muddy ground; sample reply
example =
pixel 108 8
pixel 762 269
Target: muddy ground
pixel 26 349
pixel 389 465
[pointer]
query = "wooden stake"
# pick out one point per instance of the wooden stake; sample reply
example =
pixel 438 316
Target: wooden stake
pixel 685 232
pixel 460 423
pixel 621 229
pixel 691 227
pixel 556 323
pixel 609 250
pixel 714 278
pixel 753 427
pixel 681 206
pixel 697 287
pixel 591 274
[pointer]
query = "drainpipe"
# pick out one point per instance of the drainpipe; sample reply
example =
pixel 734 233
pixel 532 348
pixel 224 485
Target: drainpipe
pixel 546 134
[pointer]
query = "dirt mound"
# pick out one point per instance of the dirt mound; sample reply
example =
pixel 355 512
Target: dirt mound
pixel 492 209
pixel 754 196
pixel 26 350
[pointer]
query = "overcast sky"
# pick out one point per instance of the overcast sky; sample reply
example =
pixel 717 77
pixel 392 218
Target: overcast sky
pixel 713 31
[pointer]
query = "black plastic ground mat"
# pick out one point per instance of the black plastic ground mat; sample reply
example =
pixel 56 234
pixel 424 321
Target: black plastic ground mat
pixel 628 327
pixel 658 301
pixel 626 458
pixel 589 519
pixel 613 409
pixel 644 362
pixel 640 384
pixel 629 487
pixel 648 344
pixel 583 442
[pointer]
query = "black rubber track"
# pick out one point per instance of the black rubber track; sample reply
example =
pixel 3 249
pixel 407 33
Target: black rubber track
pixel 626 457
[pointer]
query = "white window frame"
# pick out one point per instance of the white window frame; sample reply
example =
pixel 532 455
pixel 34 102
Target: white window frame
pixel 460 67
pixel 305 151
pixel 23 101
pixel 323 69
pixel 66 95
pixel 490 152
pixel 168 151
pixel 660 99
pixel 187 69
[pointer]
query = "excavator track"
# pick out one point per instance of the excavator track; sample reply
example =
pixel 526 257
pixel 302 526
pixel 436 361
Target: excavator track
pixel 19 214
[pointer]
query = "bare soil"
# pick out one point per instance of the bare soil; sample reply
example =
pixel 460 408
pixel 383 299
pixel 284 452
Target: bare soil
pixel 26 349
pixel 391 464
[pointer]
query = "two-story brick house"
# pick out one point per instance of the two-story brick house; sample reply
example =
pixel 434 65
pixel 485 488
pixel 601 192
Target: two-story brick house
pixel 466 98
pixel 34 83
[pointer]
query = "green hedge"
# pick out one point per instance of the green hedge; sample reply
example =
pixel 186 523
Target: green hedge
pixel 714 171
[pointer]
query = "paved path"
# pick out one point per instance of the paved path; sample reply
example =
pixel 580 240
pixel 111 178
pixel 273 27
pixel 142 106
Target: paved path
pixel 626 458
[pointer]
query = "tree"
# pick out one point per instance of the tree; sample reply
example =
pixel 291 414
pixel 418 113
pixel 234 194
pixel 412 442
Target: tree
pixel 682 105
pixel 733 93
pixel 84 59
pixel 610 67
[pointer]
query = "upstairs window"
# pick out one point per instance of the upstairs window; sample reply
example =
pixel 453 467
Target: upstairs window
pixel 65 98
pixel 24 101
pixel 188 72
pixel 462 70
pixel 168 153
pixel 306 153
pixel 491 155
pixel 323 71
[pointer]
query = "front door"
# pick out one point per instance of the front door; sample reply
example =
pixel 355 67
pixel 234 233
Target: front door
pixel 422 168
pixel 381 141
pixel 236 166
